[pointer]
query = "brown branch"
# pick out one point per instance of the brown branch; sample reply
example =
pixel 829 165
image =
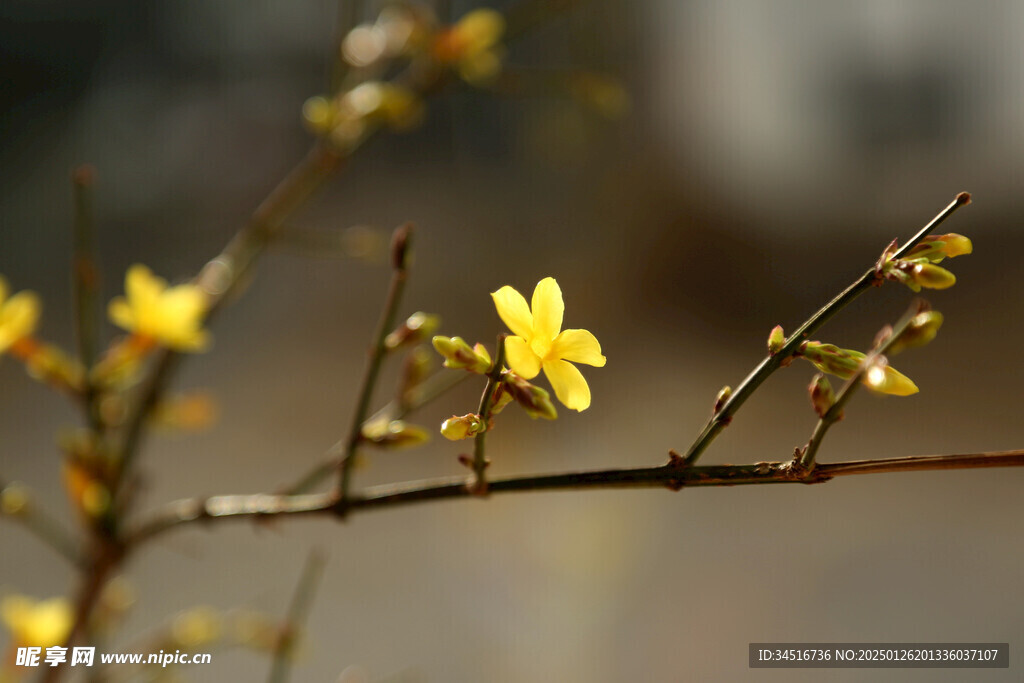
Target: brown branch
pixel 479 464
pixel 773 362
pixel 400 253
pixel 674 475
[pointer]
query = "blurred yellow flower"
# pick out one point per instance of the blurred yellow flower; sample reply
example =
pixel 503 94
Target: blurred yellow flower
pixel 169 316
pixel 540 343
pixel 37 623
pixel 473 45
pixel 19 315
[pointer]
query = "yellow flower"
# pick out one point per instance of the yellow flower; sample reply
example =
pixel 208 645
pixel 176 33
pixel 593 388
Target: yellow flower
pixel 473 45
pixel 19 315
pixel 538 344
pixel 32 623
pixel 170 316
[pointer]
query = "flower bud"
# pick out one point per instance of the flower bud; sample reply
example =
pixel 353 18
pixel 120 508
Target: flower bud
pixel 920 331
pixel 500 398
pixel 190 412
pixel 457 428
pixel 87 492
pixel 937 247
pixel 830 358
pixel 821 393
pixel 14 499
pixel 364 45
pixel 415 369
pixel 319 114
pixel 722 397
pixel 844 363
pixel 884 379
pixel 534 400
pixel 932 277
pixel 458 354
pixel 19 316
pixel 394 434
pixel 196 627
pixel 49 364
pixel 415 329
pixel 918 273
pixel 776 340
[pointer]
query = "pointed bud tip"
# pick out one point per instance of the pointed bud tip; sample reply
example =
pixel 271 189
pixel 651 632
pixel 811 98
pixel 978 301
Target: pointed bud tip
pixel 400 243
pixel 776 340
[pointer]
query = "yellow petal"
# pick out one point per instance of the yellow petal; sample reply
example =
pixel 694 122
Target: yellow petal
pixel 180 312
pixel 191 340
pixel 521 358
pixel 37 624
pixel 14 609
pixel 547 311
pixel 513 311
pixel 50 623
pixel 957 245
pixel 891 381
pixel 3 290
pixel 18 317
pixel 578 346
pixel 120 313
pixel 569 385
pixel 142 287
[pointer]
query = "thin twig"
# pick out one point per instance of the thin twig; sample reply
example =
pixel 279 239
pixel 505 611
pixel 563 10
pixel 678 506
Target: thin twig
pixel 478 485
pixel 673 475
pixel 770 364
pixel 302 600
pixel 397 409
pixel 220 276
pixel 400 246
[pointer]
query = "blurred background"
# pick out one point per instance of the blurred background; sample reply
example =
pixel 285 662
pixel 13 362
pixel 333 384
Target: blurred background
pixel 769 153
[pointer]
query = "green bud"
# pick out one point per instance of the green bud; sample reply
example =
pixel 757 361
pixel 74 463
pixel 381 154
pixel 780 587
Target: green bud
pixel 821 393
pixel 394 434
pixel 917 273
pixel 500 398
pixel 458 354
pixel 415 329
pixel 830 358
pixel 415 369
pixel 457 428
pixel 920 331
pixel 534 400
pixel 776 340
pixel 844 363
pixel 722 397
